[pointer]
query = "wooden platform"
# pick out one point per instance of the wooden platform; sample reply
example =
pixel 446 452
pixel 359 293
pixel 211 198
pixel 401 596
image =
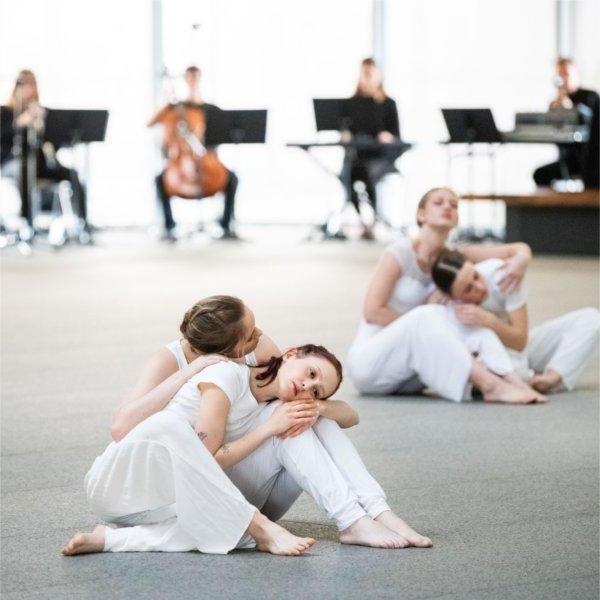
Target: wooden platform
pixel 551 222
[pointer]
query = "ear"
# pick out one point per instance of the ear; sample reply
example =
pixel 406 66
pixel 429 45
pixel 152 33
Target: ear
pixel 290 353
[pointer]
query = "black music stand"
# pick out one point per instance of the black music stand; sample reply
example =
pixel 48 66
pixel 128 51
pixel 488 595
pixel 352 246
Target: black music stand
pixel 331 114
pixel 66 127
pixel 474 126
pixel 235 127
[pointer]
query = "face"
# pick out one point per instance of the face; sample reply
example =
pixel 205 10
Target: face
pixel 251 334
pixel 370 77
pixel 26 87
pixel 469 286
pixel 440 210
pixel 567 73
pixel 192 79
pixel 301 377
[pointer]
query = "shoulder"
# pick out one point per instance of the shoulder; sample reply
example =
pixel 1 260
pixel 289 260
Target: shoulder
pixel 489 268
pixel 231 377
pixel 401 250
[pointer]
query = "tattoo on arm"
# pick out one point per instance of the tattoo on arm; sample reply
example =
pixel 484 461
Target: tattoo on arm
pixel 225 449
pixel 202 435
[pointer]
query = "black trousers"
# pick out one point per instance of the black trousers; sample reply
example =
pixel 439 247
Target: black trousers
pixel 228 208
pixel 568 167
pixel 368 171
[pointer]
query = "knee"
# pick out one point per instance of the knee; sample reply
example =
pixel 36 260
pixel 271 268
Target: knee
pixel 590 317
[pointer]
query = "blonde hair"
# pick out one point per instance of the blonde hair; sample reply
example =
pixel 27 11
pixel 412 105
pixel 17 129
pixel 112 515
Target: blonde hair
pixel 214 325
pixel 380 95
pixel 427 196
pixel 23 74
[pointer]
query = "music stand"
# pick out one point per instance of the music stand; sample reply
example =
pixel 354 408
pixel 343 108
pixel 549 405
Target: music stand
pixel 330 114
pixel 70 127
pixel 471 126
pixel 235 127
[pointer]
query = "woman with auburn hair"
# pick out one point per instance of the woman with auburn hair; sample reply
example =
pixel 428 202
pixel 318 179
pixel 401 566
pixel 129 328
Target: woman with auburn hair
pixel 403 345
pixel 552 355
pixel 262 469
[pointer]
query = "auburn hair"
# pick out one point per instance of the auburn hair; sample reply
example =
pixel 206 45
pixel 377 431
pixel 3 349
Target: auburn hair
pixel 215 325
pixel 274 364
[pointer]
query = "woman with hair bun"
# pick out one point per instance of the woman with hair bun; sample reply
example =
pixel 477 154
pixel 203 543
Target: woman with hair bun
pixel 403 345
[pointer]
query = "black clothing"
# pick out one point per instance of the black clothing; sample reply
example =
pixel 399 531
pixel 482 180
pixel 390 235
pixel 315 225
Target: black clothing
pixel 366 119
pixel 44 169
pixel 212 113
pixel 578 160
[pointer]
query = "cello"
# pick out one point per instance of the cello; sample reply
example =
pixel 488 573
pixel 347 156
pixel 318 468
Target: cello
pixel 192 171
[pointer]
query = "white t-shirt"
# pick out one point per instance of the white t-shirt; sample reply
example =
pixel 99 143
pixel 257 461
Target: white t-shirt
pixel 498 302
pixel 234 380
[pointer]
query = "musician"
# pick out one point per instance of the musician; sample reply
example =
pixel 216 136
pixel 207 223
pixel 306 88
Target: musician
pixel 23 124
pixel 580 160
pixel 194 100
pixel 373 116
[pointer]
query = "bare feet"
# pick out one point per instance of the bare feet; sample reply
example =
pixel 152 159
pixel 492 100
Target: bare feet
pixel 85 543
pixel 499 390
pixel 273 538
pixel 395 523
pixel 516 380
pixel 367 532
pixel 546 381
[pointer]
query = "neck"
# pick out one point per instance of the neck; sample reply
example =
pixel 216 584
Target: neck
pixel 429 243
pixel 262 393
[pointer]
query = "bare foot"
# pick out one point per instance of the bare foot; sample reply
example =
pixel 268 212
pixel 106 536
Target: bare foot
pixel 395 523
pixel 273 538
pixel 367 532
pixel 499 390
pixel 85 543
pixel 515 380
pixel 546 382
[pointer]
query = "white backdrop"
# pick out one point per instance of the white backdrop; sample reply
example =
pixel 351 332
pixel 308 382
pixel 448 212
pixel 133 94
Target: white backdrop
pixel 278 55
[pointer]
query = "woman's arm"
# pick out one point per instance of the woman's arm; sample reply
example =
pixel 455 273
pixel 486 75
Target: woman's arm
pixel 159 381
pixel 512 334
pixel 517 257
pixel 212 421
pixel 380 289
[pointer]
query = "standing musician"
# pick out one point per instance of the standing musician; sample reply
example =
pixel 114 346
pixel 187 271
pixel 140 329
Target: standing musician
pixel 192 171
pixel 580 160
pixel 373 116
pixel 22 132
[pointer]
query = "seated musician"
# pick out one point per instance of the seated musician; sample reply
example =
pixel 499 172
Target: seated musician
pixel 579 160
pixel 372 116
pixel 194 100
pixel 26 115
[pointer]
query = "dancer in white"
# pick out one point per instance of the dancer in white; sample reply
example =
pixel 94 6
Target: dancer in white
pixel 402 345
pixel 553 355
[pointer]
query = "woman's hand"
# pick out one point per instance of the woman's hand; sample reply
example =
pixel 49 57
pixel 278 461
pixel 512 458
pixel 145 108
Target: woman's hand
pixel 302 427
pixel 291 415
pixel 385 137
pixel 513 271
pixel 473 315
pixel 200 363
pixel 438 297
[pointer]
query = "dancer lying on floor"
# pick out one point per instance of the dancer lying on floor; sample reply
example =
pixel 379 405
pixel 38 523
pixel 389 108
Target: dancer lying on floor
pixel 552 356
pixel 403 345
pixel 109 478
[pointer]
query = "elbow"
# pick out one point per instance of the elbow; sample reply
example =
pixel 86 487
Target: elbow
pixel 117 431
pixel 524 249
pixel 520 343
pixel 352 420
pixel 371 315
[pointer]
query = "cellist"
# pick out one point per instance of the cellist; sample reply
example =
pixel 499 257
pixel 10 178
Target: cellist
pixel 193 101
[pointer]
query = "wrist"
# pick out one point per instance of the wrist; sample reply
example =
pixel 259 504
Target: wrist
pixel 321 407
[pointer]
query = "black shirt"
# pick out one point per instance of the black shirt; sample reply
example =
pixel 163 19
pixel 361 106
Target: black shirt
pixel 588 154
pixel 368 117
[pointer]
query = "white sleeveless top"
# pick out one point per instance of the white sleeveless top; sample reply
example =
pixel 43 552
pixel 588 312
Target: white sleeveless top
pixel 177 350
pixel 411 290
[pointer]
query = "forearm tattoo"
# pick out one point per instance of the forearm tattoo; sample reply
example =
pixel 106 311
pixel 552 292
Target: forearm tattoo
pixel 225 449
pixel 202 435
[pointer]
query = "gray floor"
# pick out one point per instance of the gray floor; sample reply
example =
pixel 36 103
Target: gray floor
pixel 508 494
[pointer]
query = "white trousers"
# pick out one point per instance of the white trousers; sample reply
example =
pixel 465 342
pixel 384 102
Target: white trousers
pixel 422 348
pixel 565 344
pixel 322 461
pixel 163 483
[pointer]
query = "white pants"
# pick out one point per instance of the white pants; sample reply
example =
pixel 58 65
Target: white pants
pixel 322 461
pixel 565 344
pixel 163 483
pixel 419 349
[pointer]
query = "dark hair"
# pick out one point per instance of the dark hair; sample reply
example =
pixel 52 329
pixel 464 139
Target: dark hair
pixel 564 61
pixel 274 363
pixel 427 195
pixel 214 325
pixel 192 69
pixel 446 267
